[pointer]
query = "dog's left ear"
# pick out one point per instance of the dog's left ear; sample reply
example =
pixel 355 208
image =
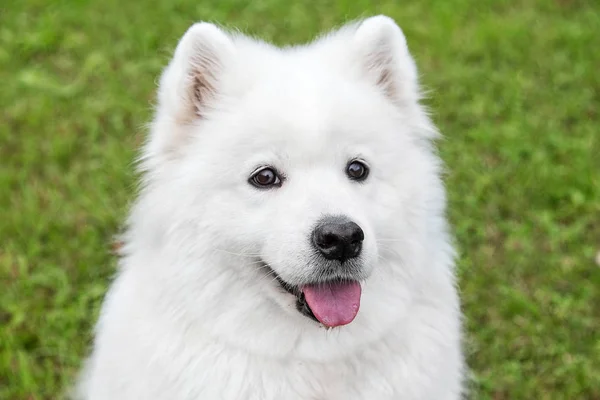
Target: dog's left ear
pixel 382 50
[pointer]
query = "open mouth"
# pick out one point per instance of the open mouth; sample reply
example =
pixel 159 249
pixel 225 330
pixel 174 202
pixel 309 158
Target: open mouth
pixel 332 302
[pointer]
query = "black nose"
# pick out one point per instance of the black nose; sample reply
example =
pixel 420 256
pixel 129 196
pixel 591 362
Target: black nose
pixel 338 240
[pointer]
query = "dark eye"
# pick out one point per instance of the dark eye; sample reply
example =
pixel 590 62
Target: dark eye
pixel 265 177
pixel 357 170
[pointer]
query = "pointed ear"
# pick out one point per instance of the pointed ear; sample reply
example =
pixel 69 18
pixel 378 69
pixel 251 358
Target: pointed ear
pixel 191 81
pixel 385 58
pixel 188 88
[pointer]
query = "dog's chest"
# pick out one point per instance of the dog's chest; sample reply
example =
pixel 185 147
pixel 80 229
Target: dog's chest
pixel 249 377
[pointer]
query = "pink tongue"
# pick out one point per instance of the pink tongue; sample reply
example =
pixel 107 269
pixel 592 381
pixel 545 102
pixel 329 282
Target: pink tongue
pixel 334 304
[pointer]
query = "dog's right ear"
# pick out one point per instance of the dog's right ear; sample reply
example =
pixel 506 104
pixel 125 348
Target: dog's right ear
pixel 188 89
pixel 191 81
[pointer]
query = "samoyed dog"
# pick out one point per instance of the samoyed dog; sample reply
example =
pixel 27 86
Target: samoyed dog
pixel 289 240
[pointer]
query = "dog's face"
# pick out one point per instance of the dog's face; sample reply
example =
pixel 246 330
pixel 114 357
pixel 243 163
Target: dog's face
pixel 305 168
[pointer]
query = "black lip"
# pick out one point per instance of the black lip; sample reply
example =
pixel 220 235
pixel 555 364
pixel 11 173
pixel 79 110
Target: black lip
pixel 301 304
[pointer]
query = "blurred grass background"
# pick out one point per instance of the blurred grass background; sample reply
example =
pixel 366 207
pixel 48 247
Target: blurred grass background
pixel 513 85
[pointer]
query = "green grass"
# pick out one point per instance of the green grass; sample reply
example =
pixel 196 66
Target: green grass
pixel 514 86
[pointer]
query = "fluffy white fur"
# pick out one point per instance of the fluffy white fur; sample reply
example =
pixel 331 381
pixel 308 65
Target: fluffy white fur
pixel 191 315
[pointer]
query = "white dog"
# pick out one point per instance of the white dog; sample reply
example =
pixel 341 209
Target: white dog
pixel 289 240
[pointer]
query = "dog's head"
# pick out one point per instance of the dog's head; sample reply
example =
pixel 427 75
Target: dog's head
pixel 308 169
